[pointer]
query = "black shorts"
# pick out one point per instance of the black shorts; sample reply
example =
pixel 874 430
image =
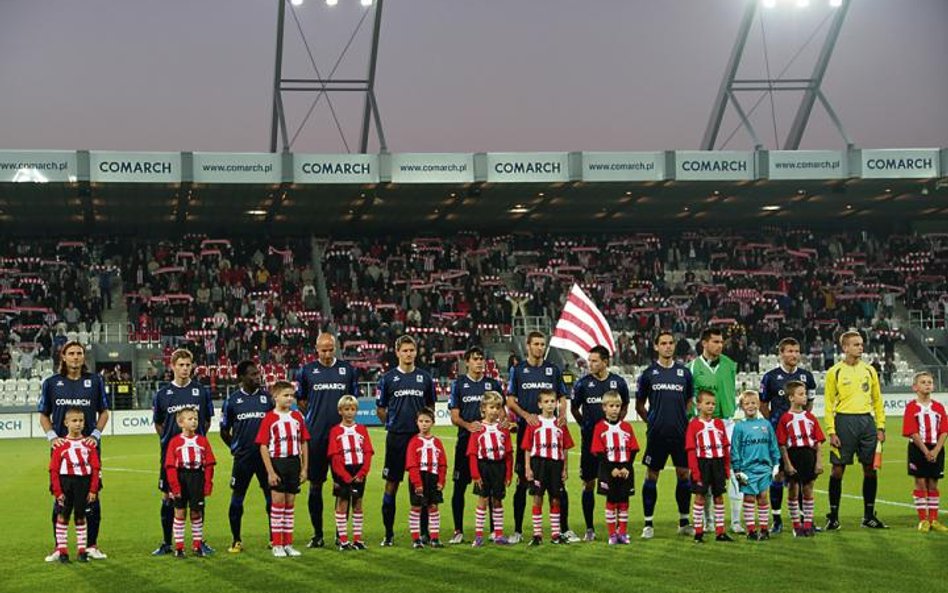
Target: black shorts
pixel 396 450
pixel 920 467
pixel 713 477
pixel 659 448
pixel 493 478
pixel 318 459
pixel 288 469
pixel 351 491
pixel 192 490
pixel 462 465
pixel 613 488
pixel 245 468
pixel 429 492
pixel 75 495
pixel 857 436
pixel 588 463
pixel 547 477
pixel 803 460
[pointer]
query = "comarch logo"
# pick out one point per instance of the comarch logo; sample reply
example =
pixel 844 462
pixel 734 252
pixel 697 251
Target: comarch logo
pixel 11 425
pixel 137 421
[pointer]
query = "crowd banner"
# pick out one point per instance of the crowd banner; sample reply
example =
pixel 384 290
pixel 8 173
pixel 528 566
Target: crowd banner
pixel 714 165
pixel 623 166
pixel 238 167
pixel 900 163
pixel 38 166
pixel 135 167
pixel 335 168
pixel 446 167
pixel 528 167
pixel 806 164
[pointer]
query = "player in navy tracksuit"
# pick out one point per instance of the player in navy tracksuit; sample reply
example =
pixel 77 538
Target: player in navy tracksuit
pixel 241 414
pixel 527 379
pixel 467 393
pixel 320 386
pixel 402 392
pixel 182 392
pixel 588 411
pixel 667 388
pixel 774 404
pixel 75 387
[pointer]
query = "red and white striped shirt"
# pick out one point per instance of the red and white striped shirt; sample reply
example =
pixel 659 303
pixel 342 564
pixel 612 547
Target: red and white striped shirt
pixel 490 444
pixel 707 438
pixel 283 434
pixel 547 439
pixel 426 454
pixel 350 443
pixel 616 441
pixel 928 421
pixel 799 429
pixel 189 452
pixel 74 458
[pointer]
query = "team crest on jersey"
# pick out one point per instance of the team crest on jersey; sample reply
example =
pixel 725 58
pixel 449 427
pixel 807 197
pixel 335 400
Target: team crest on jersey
pixel 87 383
pixel 549 371
pixel 865 387
pixel 419 378
pixel 195 392
pixel 263 399
pixel 613 384
pixel 680 373
pixel 342 370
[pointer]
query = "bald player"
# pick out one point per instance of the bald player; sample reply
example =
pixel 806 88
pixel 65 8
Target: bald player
pixel 320 385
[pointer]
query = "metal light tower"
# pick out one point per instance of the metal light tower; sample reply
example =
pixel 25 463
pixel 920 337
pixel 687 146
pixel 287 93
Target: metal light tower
pixel 731 85
pixel 324 86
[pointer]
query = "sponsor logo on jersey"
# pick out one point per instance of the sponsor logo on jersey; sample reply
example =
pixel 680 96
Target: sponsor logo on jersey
pixel 408 393
pixel 668 387
pixel 73 402
pixel 250 415
pixel 536 385
pixel 329 386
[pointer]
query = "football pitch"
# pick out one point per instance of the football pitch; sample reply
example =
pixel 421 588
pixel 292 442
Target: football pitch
pixel 853 559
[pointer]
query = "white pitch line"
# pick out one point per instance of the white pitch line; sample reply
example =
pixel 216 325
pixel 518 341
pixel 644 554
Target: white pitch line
pixel 128 470
pixel 878 500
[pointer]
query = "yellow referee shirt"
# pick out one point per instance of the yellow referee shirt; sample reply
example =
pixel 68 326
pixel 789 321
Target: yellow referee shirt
pixel 852 389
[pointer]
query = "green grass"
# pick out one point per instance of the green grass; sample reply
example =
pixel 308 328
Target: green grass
pixel 899 559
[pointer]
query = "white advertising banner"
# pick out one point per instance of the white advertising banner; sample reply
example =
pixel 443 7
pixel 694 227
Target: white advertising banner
pixel 135 167
pixel 623 166
pixel 335 168
pixel 806 164
pixel 432 167
pixel 15 426
pixel 37 166
pixel 900 163
pixel 238 167
pixel 714 165
pixel 514 167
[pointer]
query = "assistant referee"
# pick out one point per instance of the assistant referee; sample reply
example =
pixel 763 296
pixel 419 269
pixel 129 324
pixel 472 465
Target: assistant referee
pixel 855 422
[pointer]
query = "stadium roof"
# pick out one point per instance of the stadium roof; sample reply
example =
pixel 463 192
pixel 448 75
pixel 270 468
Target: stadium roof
pixel 108 192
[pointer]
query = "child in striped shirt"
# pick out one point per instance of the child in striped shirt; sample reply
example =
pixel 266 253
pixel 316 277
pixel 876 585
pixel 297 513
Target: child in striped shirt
pixel 490 455
pixel 709 459
pixel 350 456
pixel 189 465
pixel 74 481
pixel 926 426
pixel 800 438
pixel 427 465
pixel 615 444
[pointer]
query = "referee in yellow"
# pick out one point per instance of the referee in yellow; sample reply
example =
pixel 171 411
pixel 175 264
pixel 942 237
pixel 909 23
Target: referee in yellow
pixel 855 422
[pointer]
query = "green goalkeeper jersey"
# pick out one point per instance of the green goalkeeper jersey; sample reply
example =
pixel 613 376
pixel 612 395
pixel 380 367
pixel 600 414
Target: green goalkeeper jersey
pixel 720 379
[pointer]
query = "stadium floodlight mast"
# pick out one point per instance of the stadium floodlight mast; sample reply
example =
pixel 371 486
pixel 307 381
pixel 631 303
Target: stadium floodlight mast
pixel 324 86
pixel 811 87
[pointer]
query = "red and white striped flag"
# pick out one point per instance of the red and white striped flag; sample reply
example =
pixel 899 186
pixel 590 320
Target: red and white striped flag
pixel 581 326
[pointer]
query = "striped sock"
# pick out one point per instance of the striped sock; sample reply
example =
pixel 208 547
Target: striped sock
pixel 178 529
pixel 341 528
pixel 555 520
pixel 933 502
pixel 81 537
pixel 537 521
pixel 750 512
pixel 498 514
pixel 765 516
pixel 793 505
pixel 697 513
pixel 807 512
pixel 414 523
pixel 920 497
pixel 288 514
pixel 357 526
pixel 434 523
pixel 719 517
pixel 197 531
pixel 623 517
pixel 62 536
pixel 611 518
pixel 480 518
pixel 276 524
